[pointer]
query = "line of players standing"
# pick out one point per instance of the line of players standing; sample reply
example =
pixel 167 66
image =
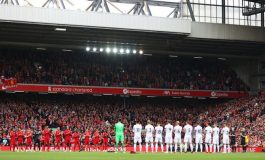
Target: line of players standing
pixel 211 137
pixel 41 140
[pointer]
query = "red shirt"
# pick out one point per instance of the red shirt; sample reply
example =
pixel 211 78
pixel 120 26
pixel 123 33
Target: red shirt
pixel 105 135
pixel 87 134
pixel 58 134
pixel 76 136
pixel 20 134
pixel 96 134
pixel 67 134
pixel 29 134
pixel 47 133
pixel 12 135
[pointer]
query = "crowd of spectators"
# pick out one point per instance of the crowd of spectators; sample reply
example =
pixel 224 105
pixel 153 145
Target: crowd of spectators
pixel 101 113
pixel 120 71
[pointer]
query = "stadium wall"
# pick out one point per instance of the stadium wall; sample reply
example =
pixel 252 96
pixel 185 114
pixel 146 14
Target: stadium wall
pixel 227 32
pixel 93 20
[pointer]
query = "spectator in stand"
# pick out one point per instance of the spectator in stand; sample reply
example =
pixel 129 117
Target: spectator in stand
pixel 119 71
pixel 99 113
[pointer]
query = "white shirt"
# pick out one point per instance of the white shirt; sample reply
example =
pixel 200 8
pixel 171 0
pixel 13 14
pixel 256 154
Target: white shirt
pixel 225 131
pixel 169 130
pixel 137 130
pixel 188 130
pixel 198 131
pixel 177 131
pixel 159 130
pixel 208 131
pixel 216 132
pixel 149 130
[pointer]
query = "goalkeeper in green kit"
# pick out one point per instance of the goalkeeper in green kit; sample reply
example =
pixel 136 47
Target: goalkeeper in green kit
pixel 119 135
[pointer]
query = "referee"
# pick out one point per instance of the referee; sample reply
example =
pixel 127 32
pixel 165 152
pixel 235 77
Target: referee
pixel 243 136
pixel 233 139
pixel 36 138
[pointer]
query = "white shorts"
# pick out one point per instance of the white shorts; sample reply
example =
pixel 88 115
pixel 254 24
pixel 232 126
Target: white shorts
pixel 226 140
pixel 215 140
pixel 137 139
pixel 187 139
pixel 159 140
pixel 149 139
pixel 168 139
pixel 198 139
pixel 208 139
pixel 177 140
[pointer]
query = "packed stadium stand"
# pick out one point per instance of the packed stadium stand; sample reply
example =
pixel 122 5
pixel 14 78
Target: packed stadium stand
pixel 100 113
pixel 120 71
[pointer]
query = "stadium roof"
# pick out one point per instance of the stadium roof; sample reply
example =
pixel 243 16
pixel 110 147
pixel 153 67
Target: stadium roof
pixel 77 38
pixel 155 35
pixel 256 1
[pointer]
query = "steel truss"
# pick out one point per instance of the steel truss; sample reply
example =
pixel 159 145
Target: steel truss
pixel 140 7
pixel 253 7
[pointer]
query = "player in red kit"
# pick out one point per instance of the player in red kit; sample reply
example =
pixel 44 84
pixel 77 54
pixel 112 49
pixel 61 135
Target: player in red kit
pixel 67 139
pixel 76 140
pixel 58 139
pixel 87 140
pixel 96 139
pixel 47 139
pixel 12 136
pixel 105 140
pixel 20 139
pixel 28 140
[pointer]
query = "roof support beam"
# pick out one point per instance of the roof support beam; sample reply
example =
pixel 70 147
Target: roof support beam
pixel 262 16
pixel 250 7
pixel 140 7
pixel 178 11
pixel 60 4
pixel 223 11
pixel 191 10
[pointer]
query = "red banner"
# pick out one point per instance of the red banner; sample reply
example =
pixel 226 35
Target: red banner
pixel 124 91
pixel 7 83
pixel 130 148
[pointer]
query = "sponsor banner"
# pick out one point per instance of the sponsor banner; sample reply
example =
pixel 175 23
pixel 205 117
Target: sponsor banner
pixel 129 149
pixel 124 91
pixel 7 83
pixel 250 149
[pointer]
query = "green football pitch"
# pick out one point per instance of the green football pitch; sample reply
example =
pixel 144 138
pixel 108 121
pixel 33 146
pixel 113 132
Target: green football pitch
pixel 126 156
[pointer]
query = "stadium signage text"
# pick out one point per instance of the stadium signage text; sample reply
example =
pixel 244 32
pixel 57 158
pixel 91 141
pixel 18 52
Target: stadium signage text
pixel 7 83
pixel 70 90
pixel 130 148
pixel 122 91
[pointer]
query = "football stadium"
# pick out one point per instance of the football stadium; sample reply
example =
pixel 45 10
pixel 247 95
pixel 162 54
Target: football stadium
pixel 132 79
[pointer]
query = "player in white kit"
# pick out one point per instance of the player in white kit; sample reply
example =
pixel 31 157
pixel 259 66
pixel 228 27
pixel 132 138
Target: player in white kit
pixel 225 131
pixel 216 132
pixel 149 130
pixel 188 136
pixel 137 130
pixel 208 138
pixel 198 137
pixel 177 138
pixel 158 138
pixel 168 136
